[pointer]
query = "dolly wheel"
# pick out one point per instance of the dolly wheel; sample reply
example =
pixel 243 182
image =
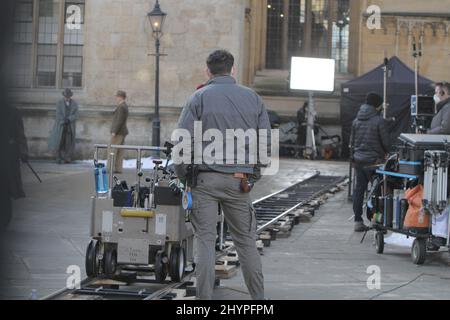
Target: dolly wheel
pixel 379 242
pixel 110 262
pixel 160 267
pixel 177 264
pixel 419 251
pixel 92 261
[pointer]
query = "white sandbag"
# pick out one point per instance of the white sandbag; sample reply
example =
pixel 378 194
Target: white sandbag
pixel 439 224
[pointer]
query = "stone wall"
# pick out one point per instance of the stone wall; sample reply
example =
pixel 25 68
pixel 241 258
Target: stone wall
pixel 401 21
pixel 93 127
pixel 412 6
pixel 118 42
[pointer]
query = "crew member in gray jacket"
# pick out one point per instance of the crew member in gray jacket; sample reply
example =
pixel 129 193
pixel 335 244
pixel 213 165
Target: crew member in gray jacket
pixel 219 106
pixel 441 122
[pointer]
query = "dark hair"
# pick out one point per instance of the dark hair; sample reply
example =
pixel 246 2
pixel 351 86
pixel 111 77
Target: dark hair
pixel 67 93
pixel 220 62
pixel 445 87
pixel 373 99
pixel 121 94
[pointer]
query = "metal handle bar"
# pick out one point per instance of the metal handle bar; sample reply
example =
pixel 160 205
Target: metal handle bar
pixel 131 148
pixel 138 149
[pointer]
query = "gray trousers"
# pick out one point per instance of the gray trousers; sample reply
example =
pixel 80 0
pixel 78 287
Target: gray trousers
pixel 117 140
pixel 212 189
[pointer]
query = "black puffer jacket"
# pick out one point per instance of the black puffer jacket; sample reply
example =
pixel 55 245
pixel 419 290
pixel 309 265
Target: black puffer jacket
pixel 370 138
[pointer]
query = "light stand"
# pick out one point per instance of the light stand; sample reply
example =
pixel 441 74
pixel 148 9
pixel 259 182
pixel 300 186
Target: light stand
pixel 311 148
pixel 312 75
pixel 385 77
pixel 417 54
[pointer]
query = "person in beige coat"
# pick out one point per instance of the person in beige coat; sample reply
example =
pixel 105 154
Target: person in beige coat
pixel 119 129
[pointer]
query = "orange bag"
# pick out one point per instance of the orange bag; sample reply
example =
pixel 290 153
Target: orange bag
pixel 416 217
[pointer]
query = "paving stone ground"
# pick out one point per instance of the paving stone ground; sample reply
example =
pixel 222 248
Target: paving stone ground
pixel 321 260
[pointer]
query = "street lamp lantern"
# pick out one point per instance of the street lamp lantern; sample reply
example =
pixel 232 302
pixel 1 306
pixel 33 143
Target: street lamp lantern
pixel 156 18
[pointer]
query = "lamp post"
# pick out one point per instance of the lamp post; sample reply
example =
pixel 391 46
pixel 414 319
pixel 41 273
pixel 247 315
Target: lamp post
pixel 156 18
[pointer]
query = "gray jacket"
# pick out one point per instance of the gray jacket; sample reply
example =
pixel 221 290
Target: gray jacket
pixel 441 122
pixel 370 139
pixel 63 113
pixel 222 104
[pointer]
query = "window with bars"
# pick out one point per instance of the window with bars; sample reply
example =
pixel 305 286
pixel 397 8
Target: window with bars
pixel 315 28
pixel 320 28
pixel 296 30
pixel 48 44
pixel 73 45
pixel 21 72
pixel 341 36
pixel 274 34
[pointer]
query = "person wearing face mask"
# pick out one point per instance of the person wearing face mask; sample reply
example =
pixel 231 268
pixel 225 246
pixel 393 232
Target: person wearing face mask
pixel 441 122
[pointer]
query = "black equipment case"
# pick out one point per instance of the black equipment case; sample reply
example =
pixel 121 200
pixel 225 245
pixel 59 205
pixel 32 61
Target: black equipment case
pixel 412 147
pixel 410 167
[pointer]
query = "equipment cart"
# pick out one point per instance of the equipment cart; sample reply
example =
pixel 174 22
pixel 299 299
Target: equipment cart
pixel 420 162
pixel 138 228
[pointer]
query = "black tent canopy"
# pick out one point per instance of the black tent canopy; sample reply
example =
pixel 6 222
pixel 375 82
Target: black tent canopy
pixel 400 88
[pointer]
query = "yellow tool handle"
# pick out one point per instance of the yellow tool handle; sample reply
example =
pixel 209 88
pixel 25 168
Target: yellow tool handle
pixel 135 213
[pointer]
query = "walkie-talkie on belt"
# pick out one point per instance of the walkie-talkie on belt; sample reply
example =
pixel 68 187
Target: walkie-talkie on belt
pixel 191 182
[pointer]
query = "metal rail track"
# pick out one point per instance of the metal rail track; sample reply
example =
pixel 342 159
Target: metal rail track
pixel 268 211
pixel 276 206
pixel 120 288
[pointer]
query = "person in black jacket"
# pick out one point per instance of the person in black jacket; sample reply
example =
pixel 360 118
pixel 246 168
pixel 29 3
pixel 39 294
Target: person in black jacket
pixel 370 142
pixel 15 144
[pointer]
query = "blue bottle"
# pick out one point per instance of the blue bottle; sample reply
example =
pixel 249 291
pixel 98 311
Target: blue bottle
pixel 101 178
pixel 33 295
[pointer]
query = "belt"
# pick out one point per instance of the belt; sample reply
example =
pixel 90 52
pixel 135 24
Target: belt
pixel 236 175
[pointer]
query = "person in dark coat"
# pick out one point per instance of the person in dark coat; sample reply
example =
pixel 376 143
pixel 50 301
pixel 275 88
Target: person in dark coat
pixel 15 142
pixel 62 138
pixel 370 142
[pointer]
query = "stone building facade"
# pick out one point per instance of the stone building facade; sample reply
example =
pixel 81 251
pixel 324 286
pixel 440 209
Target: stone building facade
pixel 98 47
pixel 402 21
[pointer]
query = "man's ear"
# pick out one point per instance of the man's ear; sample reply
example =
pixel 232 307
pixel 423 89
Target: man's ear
pixel 208 73
pixel 233 71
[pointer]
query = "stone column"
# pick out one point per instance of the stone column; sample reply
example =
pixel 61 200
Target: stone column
pixel 356 23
